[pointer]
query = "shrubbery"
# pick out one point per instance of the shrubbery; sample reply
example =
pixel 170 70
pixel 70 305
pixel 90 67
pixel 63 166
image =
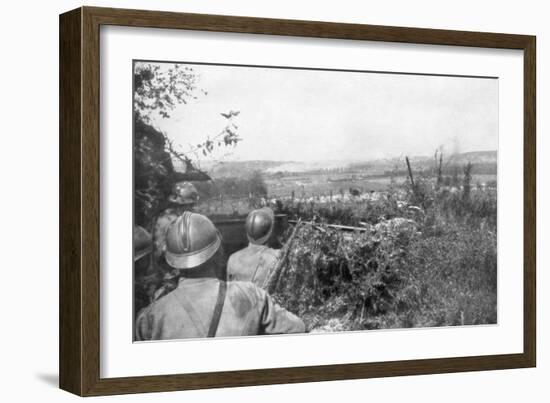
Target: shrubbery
pixel 439 271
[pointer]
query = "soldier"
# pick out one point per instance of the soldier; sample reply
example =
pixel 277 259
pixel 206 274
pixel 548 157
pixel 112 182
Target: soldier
pixel 143 245
pixel 184 196
pixel 255 262
pixel 203 304
pixel 144 285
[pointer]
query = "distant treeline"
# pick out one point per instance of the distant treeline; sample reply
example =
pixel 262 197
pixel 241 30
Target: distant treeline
pixel 319 171
pixel 482 168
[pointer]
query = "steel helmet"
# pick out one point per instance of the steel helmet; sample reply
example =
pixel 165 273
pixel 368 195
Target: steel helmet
pixel 191 240
pixel 184 193
pixel 259 225
pixel 143 243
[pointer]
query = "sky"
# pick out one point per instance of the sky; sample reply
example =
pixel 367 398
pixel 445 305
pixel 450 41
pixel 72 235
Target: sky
pixel 305 115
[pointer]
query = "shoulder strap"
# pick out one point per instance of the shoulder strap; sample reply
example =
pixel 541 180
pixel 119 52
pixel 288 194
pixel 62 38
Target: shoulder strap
pixel 217 309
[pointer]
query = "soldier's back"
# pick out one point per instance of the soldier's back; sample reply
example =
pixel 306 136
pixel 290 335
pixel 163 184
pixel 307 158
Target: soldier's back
pixel 187 311
pixel 253 264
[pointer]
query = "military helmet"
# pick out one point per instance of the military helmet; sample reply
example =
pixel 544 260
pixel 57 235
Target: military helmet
pixel 191 240
pixel 184 193
pixel 143 243
pixel 259 225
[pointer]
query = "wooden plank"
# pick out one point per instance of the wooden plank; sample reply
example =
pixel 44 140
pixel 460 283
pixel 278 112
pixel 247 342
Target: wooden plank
pixel 334 226
pixel 530 205
pixel 90 201
pixel 316 29
pixel 70 281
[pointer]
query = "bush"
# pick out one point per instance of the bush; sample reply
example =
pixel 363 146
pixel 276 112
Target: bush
pixel 331 274
pixel 435 266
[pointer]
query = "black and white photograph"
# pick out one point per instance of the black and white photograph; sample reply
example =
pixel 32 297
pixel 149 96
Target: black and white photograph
pixel 273 200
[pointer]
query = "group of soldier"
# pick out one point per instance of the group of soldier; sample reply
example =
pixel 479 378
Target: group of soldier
pixel 209 299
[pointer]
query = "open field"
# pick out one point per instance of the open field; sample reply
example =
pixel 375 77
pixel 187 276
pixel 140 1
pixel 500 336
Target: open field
pixel 322 184
pixel 322 189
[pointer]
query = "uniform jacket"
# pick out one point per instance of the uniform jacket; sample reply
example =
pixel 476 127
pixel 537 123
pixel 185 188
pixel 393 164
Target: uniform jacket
pixel 253 263
pixel 248 310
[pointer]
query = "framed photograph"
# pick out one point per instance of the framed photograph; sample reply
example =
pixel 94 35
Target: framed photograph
pixel 249 201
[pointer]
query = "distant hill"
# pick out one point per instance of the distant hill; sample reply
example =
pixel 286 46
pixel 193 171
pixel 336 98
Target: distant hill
pixel 484 162
pixel 237 168
pixel 475 157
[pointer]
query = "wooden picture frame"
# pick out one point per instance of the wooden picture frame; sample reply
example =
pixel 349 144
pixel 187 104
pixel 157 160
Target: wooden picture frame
pixel 79 280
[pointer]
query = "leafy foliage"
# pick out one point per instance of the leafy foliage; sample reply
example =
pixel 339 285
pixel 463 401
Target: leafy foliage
pixel 153 171
pixel 433 267
pixel 331 275
pixel 158 90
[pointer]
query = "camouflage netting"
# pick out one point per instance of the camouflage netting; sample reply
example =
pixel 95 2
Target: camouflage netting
pixel 342 280
pixel 391 276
